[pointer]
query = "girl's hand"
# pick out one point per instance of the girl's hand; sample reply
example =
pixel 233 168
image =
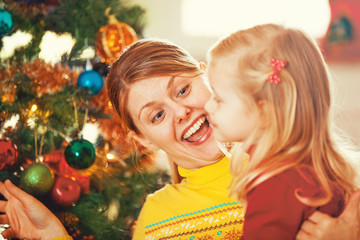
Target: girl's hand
pixel 321 226
pixel 28 217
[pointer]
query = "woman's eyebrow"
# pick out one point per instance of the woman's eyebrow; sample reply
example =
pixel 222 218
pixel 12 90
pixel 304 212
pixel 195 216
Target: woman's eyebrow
pixel 149 104
pixel 170 83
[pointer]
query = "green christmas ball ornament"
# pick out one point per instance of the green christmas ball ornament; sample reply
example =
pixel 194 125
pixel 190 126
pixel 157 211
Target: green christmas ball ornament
pixel 80 154
pixel 37 179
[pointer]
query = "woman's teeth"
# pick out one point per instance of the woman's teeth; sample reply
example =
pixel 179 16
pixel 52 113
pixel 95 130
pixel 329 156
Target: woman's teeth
pixel 194 128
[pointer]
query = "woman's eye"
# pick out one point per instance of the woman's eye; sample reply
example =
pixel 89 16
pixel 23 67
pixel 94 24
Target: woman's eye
pixel 183 91
pixel 157 117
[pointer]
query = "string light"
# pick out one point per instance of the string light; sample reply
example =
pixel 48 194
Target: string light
pixel 33 108
pixel 110 156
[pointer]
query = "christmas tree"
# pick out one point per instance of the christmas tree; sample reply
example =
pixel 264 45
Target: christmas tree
pixel 54 59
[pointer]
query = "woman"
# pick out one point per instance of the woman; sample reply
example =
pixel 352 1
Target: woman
pixel 157 88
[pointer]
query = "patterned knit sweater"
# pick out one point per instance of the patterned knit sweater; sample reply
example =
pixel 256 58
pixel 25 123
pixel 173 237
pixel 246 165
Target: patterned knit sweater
pixel 197 208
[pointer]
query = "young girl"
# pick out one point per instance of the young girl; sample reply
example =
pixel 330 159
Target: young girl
pixel 271 91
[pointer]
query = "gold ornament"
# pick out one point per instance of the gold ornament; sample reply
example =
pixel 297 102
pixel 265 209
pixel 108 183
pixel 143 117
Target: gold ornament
pixel 33 114
pixel 113 38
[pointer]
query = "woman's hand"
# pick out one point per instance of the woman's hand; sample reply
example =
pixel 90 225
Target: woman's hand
pixel 321 226
pixel 28 217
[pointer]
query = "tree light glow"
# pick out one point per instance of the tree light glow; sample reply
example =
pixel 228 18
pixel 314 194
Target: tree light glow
pixel 13 42
pixel 54 46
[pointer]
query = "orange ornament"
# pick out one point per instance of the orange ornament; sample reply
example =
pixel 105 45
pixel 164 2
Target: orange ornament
pixel 113 38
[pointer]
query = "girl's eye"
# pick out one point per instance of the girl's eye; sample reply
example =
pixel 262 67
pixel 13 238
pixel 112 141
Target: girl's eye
pixel 157 117
pixel 183 91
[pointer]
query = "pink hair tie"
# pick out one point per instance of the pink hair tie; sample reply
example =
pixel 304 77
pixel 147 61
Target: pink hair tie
pixel 277 66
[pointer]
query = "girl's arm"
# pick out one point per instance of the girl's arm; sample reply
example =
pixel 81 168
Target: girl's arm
pixel 28 218
pixel 321 226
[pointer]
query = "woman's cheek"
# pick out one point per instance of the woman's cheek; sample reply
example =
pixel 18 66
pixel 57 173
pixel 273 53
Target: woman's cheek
pixel 204 96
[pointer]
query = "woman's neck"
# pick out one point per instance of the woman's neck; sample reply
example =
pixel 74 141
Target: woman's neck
pixel 196 164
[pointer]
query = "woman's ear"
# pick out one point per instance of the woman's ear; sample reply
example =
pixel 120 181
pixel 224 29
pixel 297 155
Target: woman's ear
pixel 141 143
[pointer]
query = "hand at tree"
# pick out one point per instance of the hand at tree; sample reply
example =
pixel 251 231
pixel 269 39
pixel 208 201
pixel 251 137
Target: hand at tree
pixel 321 226
pixel 28 217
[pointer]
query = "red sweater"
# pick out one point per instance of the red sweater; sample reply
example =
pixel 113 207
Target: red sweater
pixel 274 212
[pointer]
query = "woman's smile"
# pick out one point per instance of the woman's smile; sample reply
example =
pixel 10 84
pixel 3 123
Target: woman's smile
pixel 198 132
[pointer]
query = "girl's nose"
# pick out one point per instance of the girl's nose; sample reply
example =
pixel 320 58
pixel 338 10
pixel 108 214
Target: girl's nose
pixel 181 113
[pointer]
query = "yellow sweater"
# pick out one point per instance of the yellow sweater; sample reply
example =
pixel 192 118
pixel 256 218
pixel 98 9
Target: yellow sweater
pixel 62 238
pixel 197 208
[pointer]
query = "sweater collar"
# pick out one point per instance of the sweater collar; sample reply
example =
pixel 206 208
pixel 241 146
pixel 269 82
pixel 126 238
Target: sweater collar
pixel 206 174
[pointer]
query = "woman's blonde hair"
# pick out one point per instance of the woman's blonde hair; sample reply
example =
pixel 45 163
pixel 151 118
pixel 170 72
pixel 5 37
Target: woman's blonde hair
pixel 145 59
pixel 296 129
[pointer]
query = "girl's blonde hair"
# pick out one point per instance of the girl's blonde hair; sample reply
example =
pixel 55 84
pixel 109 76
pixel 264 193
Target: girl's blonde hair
pixel 296 129
pixel 142 60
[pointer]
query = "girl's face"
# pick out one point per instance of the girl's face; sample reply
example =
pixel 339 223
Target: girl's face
pixel 232 118
pixel 169 113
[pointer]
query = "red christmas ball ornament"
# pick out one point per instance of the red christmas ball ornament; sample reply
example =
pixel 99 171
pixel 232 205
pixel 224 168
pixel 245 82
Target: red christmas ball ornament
pixel 113 38
pixel 83 179
pixel 8 154
pixel 65 191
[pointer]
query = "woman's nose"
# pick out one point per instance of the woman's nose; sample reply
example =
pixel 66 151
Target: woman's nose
pixel 181 113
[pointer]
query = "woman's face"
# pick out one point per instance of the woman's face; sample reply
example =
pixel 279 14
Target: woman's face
pixel 169 112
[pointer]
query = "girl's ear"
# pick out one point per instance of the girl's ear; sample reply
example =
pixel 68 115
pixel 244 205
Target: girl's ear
pixel 263 108
pixel 261 105
pixel 141 143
